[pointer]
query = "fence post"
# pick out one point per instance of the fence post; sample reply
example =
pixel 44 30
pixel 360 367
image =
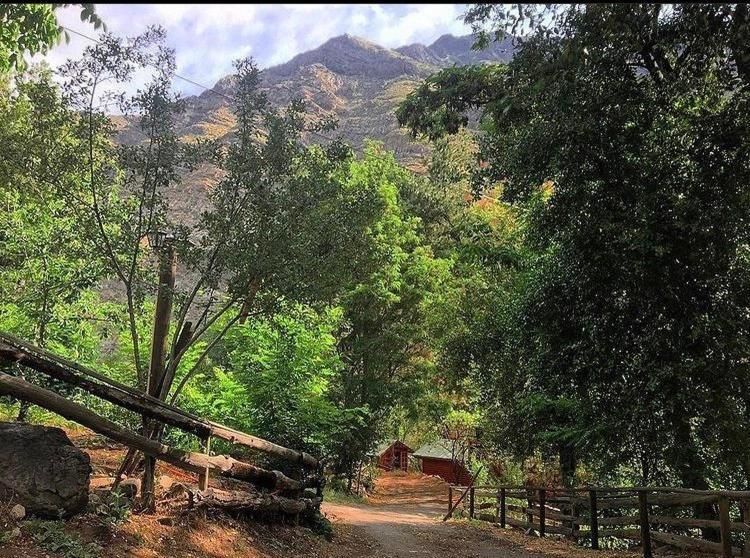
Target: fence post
pixel 745 507
pixel 725 527
pixel 203 477
pixel 645 527
pixel 542 510
pixel 575 523
pixel 502 508
pixel 450 499
pixel 594 520
pixel 529 505
pixel 471 503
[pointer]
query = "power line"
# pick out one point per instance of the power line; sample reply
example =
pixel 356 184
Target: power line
pixel 235 99
pixel 183 78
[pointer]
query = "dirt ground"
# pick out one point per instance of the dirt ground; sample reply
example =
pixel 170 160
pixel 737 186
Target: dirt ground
pixel 402 518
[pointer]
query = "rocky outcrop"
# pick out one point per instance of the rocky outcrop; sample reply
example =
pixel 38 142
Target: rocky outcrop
pixel 42 470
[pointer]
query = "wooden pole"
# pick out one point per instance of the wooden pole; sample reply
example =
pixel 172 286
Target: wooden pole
pixel 468 488
pixel 15 350
pixel 204 476
pixel 450 500
pixel 194 462
pixel 471 503
pixel 745 507
pixel 529 505
pixel 594 520
pixel 157 369
pixel 502 508
pixel 542 510
pixel 644 521
pixel 725 527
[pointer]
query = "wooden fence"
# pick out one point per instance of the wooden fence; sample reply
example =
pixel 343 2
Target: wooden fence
pixel 645 515
pixel 292 498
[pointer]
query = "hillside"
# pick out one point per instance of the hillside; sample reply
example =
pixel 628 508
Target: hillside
pixel 357 81
pixel 352 79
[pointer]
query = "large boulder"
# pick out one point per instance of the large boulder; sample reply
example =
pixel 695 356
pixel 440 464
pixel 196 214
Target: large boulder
pixel 43 470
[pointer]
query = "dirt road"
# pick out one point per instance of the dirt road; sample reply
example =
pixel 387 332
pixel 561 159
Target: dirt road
pixel 404 519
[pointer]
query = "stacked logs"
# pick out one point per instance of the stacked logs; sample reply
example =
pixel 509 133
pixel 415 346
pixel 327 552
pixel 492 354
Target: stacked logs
pixel 288 494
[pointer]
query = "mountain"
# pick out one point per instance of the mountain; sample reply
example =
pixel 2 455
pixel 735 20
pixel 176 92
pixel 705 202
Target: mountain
pixel 352 79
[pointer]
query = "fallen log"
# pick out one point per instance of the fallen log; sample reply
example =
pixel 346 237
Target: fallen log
pixel 13 349
pixel 255 502
pixel 190 461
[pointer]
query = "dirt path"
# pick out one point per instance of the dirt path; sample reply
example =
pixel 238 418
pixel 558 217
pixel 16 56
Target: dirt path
pixel 404 518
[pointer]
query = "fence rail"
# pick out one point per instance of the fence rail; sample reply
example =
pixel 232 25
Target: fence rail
pixel 16 351
pixel 713 521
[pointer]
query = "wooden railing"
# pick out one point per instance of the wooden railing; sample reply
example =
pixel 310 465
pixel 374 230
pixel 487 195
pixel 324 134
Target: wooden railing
pixel 641 514
pixel 15 351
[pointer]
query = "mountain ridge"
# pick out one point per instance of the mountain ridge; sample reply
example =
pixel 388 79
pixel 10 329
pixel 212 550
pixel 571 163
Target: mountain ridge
pixel 351 79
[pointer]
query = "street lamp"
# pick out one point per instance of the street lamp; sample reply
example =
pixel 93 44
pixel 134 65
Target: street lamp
pixel 158 239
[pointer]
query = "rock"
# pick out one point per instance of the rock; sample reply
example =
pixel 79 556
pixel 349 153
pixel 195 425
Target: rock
pixel 42 470
pixel 164 483
pixel 130 488
pixel 17 512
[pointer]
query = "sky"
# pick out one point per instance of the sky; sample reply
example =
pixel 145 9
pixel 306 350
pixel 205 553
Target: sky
pixel 208 37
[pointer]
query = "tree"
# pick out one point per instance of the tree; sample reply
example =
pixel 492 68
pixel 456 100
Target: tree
pixel 382 342
pixel 44 263
pixel 634 317
pixel 33 28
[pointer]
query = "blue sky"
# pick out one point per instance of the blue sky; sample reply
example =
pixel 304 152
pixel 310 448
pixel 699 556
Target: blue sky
pixel 208 37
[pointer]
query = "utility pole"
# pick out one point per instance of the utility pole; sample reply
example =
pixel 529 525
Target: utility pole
pixel 164 247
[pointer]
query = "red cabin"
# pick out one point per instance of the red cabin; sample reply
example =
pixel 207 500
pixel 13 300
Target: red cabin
pixel 436 459
pixel 393 455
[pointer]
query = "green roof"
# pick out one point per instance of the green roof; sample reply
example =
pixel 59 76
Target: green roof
pixel 437 450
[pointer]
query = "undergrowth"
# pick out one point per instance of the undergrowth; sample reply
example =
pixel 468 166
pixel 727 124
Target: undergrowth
pixel 52 537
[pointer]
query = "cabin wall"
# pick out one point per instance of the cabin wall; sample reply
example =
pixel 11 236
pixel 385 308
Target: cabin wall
pixel 445 469
pixel 386 459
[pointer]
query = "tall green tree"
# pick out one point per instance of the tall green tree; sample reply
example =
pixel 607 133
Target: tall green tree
pixel 634 321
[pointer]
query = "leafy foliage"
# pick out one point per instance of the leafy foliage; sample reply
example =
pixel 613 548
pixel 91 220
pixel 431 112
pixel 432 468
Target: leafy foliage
pixel 33 28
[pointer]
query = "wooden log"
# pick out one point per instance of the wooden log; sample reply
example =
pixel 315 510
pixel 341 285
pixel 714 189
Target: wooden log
pixel 241 500
pixel 489 517
pixel 13 349
pixel 691 543
pixel 659 500
pixel 542 511
pixel 450 501
pixel 535 511
pixel 487 505
pixel 513 522
pixel 643 513
pixel 471 502
pixel 194 462
pixel 630 534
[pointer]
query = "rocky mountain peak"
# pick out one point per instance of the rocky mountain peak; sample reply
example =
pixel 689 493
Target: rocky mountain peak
pixel 353 56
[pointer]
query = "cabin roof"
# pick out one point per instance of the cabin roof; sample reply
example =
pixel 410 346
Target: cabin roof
pixel 383 446
pixel 435 450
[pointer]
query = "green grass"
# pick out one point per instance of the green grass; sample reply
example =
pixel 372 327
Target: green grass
pixel 339 497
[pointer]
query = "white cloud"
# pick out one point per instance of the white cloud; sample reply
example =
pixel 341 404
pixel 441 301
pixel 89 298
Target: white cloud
pixel 208 37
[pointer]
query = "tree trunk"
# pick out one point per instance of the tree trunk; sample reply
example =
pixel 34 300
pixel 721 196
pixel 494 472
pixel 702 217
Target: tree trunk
pixel 568 464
